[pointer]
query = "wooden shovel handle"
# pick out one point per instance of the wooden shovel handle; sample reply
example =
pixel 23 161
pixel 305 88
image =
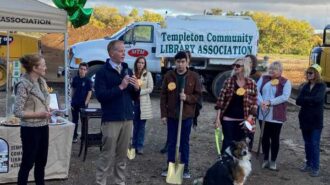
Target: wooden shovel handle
pixel 178 139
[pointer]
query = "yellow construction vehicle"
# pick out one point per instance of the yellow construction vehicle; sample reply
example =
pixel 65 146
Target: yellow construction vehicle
pixel 19 45
pixel 321 55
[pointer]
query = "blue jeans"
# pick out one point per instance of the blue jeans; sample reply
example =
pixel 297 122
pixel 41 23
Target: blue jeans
pixel 312 147
pixel 172 131
pixel 139 128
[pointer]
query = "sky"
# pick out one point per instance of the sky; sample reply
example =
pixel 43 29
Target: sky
pixel 316 12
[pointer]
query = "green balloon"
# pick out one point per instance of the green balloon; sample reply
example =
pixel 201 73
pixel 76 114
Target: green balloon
pixel 78 15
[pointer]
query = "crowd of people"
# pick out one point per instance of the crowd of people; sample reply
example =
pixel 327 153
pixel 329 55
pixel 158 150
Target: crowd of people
pixel 124 95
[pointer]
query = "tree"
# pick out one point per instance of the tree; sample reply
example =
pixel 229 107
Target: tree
pixel 278 34
pixel 230 13
pixel 216 11
pixel 151 16
pixel 134 13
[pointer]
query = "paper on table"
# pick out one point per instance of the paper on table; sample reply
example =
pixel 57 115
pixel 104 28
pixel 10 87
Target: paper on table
pixel 55 111
pixel 53 117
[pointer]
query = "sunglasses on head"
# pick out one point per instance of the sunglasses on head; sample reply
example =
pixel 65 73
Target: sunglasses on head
pixel 236 65
pixel 309 72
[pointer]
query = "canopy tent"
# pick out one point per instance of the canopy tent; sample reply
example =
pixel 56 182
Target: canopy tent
pixel 33 16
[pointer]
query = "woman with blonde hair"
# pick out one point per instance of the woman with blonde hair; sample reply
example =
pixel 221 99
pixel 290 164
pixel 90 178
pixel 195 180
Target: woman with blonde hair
pixel 237 102
pixel 32 107
pixel 311 99
pixel 274 92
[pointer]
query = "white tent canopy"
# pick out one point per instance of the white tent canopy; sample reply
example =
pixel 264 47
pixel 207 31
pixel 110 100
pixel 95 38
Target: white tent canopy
pixel 31 15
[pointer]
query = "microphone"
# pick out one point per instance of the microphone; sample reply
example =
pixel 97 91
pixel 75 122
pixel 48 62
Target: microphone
pixel 125 72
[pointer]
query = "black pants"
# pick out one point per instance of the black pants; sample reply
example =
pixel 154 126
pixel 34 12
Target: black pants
pixel 271 139
pixel 75 111
pixel 232 131
pixel 35 152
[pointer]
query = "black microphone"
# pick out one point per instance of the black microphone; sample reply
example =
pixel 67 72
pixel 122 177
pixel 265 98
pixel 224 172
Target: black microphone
pixel 126 72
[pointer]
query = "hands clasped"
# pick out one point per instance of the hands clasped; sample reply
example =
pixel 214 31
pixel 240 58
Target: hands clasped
pixel 129 80
pixel 265 105
pixel 183 96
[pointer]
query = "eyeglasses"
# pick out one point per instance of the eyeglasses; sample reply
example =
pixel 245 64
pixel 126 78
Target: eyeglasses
pixel 309 72
pixel 237 66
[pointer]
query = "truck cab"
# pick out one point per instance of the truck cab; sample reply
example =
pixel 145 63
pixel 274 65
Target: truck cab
pixel 139 39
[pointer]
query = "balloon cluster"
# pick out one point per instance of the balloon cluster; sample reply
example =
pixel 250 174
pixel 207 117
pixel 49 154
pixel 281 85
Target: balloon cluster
pixel 78 15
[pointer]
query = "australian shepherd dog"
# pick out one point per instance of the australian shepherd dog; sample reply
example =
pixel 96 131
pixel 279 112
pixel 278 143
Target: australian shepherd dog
pixel 232 168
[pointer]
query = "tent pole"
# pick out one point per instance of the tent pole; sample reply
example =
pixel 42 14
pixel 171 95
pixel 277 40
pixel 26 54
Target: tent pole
pixel 66 82
pixel 8 103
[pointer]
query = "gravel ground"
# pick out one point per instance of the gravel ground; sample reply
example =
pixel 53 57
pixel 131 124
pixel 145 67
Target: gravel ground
pixel 145 169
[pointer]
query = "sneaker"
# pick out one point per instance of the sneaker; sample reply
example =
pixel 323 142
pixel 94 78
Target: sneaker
pixel 272 165
pixel 164 173
pixel 75 140
pixel 314 173
pixel 265 164
pixel 186 174
pixel 306 168
pixel 139 151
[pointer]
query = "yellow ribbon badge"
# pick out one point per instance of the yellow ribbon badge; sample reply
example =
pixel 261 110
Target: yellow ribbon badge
pixel 240 91
pixel 274 82
pixel 50 90
pixel 139 82
pixel 171 86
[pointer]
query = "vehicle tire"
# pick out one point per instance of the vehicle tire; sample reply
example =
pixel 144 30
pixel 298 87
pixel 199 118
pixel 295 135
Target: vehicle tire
pixel 3 77
pixel 92 70
pixel 218 82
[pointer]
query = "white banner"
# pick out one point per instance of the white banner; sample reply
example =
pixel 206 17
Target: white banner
pixel 206 43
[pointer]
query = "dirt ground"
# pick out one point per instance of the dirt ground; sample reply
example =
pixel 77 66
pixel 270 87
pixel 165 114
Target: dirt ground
pixel 145 169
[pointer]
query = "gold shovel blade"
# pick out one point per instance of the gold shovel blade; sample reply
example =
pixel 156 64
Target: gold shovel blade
pixel 175 173
pixel 131 153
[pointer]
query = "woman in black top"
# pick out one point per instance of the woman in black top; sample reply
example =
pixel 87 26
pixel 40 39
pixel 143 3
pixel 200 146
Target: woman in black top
pixel 311 99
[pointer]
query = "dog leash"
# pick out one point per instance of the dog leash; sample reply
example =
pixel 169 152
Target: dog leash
pixel 218 136
pixel 264 115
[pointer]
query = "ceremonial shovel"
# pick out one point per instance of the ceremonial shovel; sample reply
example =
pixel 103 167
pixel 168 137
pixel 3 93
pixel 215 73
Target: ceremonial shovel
pixel 130 151
pixel 175 170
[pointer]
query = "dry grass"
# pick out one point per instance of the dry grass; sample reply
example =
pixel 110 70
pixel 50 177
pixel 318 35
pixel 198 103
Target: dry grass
pixel 293 66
